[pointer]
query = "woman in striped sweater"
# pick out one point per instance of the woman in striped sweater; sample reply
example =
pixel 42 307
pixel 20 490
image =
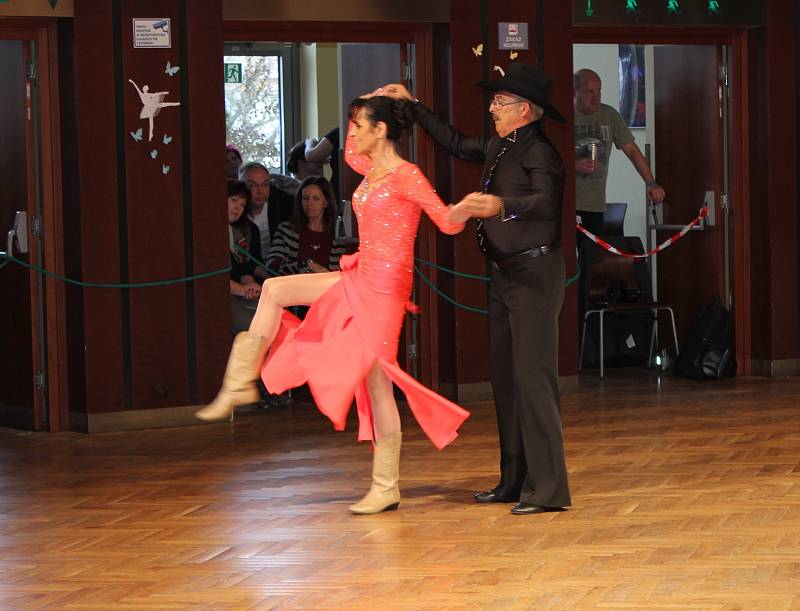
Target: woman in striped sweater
pixel 305 243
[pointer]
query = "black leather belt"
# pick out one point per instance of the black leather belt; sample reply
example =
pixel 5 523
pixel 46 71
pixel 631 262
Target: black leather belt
pixel 532 253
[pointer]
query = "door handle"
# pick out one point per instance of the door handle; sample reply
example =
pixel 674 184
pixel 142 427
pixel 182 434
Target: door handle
pixel 18 231
pixel 658 226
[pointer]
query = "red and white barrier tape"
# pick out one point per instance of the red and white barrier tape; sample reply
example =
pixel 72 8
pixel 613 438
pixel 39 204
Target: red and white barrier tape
pixel 668 242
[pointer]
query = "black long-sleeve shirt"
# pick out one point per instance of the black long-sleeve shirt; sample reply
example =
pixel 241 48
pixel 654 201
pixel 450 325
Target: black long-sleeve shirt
pixel 529 178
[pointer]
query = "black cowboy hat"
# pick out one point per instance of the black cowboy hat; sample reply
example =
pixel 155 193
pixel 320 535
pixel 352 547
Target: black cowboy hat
pixel 527 82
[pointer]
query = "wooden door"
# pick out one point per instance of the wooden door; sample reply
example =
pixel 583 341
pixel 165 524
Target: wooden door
pixel 689 161
pixel 20 403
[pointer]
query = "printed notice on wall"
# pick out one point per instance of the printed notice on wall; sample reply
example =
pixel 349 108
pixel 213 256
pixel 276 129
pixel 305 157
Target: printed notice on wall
pixel 512 35
pixel 151 34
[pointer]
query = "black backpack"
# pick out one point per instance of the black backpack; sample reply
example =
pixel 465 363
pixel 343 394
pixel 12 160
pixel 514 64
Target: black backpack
pixel 708 352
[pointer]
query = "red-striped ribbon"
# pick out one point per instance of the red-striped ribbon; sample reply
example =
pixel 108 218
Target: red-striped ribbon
pixel 668 242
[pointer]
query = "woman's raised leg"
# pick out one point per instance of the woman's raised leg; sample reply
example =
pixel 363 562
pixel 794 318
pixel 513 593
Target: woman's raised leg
pixel 250 347
pixel 284 291
pixel 384 494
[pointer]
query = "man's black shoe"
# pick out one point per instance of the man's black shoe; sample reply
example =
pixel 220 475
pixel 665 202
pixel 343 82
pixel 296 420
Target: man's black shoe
pixel 525 509
pixel 281 400
pixel 490 496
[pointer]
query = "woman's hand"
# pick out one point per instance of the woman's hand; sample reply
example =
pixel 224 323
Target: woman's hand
pixel 457 214
pixel 477 205
pixel 250 290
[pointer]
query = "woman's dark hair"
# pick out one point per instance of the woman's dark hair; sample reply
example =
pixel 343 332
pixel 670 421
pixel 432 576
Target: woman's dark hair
pixel 237 187
pixel 397 114
pixel 299 218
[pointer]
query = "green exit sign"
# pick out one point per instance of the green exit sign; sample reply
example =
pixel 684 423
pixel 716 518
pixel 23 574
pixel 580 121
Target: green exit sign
pixel 233 73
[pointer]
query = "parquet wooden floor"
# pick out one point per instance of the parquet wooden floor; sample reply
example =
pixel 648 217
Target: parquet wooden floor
pixel 687 496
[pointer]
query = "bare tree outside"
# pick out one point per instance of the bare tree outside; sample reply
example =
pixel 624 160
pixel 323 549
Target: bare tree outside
pixel 253 110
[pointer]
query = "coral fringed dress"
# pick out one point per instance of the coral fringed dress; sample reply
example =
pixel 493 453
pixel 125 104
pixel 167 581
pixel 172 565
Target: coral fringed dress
pixel 358 320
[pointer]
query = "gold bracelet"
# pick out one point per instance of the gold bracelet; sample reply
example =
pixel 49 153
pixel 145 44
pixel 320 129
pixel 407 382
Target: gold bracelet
pixel 502 212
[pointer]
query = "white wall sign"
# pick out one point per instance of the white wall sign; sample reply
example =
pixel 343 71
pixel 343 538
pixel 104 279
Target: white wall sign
pixel 152 34
pixel 512 35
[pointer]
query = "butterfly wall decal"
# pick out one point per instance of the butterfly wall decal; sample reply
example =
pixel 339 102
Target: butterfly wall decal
pixel 154 153
pixel 166 139
pixel 171 70
pixel 165 169
pixel 500 70
pixel 478 51
pixel 137 135
pixel 513 55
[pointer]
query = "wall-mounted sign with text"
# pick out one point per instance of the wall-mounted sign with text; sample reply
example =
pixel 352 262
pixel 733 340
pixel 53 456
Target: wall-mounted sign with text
pixel 152 34
pixel 512 36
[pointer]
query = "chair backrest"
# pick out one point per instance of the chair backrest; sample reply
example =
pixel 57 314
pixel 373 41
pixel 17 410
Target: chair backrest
pixel 614 219
pixel 611 278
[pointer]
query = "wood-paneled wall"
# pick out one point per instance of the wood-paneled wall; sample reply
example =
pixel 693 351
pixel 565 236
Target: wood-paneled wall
pixel 774 217
pixel 149 210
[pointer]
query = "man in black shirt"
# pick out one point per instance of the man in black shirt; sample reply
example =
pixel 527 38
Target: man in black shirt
pixel 519 229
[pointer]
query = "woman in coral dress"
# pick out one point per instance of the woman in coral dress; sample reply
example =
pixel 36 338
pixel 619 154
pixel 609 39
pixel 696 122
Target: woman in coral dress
pixel 347 345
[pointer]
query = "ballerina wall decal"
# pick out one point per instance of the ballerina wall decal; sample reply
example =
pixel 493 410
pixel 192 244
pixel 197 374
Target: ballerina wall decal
pixel 152 103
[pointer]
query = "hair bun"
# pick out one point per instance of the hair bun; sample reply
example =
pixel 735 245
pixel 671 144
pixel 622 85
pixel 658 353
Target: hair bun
pixel 403 113
pixel 397 114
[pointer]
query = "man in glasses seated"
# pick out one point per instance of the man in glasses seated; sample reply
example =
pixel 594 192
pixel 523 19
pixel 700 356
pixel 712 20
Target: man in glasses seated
pixel 519 229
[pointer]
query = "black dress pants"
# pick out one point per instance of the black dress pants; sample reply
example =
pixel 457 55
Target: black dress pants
pixel 524 305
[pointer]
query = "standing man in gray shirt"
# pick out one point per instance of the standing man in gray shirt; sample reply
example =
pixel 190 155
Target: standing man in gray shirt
pixel 597 126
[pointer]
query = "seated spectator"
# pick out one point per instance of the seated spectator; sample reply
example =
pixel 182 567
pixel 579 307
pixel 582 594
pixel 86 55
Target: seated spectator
pixel 297 165
pixel 242 233
pixel 268 207
pixel 306 242
pixel 233 161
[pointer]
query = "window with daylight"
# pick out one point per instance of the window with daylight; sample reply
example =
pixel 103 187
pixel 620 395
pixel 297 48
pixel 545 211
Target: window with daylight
pixel 260 86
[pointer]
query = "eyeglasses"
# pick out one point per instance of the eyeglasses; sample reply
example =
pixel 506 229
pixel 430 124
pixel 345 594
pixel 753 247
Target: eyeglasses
pixel 495 101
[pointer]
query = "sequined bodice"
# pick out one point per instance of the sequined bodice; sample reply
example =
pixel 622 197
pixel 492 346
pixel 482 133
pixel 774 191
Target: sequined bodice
pixel 388 215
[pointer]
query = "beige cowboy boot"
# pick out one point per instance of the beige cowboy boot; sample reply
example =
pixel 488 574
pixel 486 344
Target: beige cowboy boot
pixel 384 494
pixel 238 386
